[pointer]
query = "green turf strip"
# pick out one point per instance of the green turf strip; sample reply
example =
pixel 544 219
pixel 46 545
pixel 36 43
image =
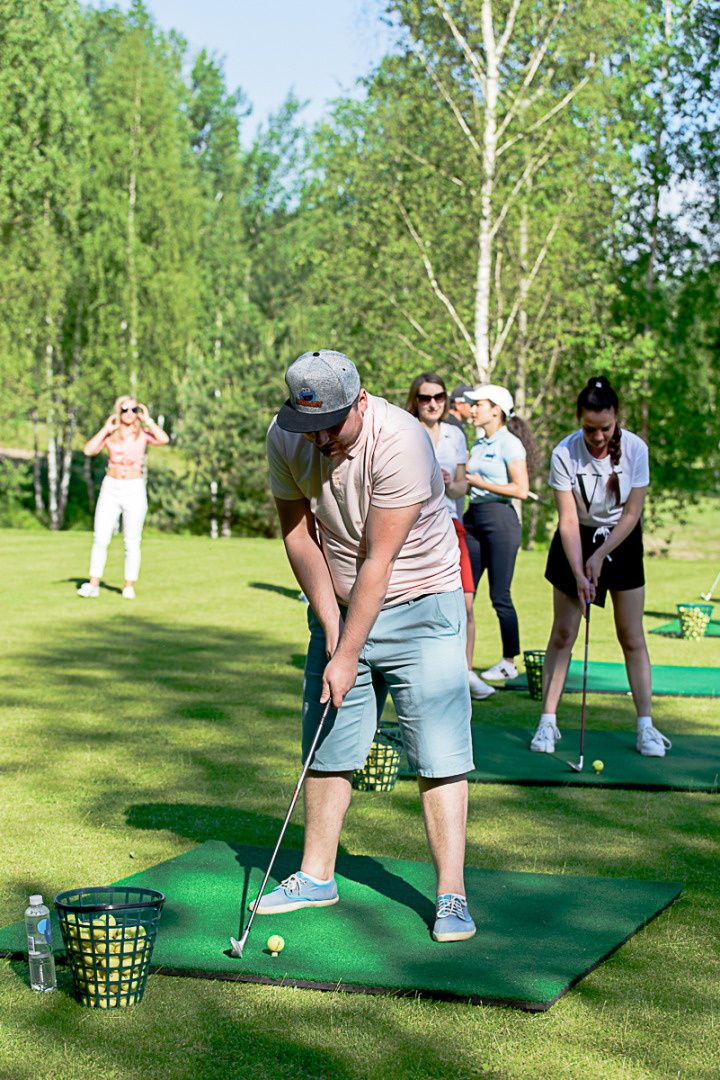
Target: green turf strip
pixel 672 629
pixel 538 934
pixel 607 678
pixel 502 756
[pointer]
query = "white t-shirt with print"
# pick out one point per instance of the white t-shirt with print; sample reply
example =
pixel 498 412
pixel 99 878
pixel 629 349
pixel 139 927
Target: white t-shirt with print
pixel 573 468
pixel 451 451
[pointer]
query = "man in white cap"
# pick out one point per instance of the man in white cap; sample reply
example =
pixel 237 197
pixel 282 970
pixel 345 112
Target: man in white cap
pixel 386 613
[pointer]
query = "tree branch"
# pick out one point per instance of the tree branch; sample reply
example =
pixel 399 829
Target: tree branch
pixel 448 99
pixel 434 168
pixel 469 53
pixel 509 27
pixel 431 277
pixel 535 61
pixel 531 168
pixel 543 119
pixel 523 292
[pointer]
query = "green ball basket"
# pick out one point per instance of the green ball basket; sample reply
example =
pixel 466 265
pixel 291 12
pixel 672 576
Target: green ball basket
pixel 383 762
pixel 109 933
pixel 534 660
pixel 694 619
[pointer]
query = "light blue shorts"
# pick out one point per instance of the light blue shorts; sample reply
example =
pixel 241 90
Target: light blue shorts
pixel 417 652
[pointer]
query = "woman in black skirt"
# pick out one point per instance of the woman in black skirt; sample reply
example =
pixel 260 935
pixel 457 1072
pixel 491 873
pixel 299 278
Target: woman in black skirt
pixel 600 475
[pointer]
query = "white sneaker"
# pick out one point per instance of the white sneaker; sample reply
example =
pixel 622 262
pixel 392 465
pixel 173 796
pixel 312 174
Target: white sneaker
pixel 652 743
pixel 128 593
pixel 86 589
pixel 544 739
pixel 479 689
pixel 504 669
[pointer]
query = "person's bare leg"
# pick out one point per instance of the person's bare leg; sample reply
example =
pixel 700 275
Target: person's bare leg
pixel 470 641
pixel 327 797
pixel 628 610
pixel 566 623
pixel 444 805
pixel 94 580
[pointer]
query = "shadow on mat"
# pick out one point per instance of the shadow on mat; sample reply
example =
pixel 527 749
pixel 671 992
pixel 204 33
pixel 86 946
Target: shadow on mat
pixel 362 869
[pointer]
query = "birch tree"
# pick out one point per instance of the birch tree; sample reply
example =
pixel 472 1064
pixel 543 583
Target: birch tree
pixel 518 89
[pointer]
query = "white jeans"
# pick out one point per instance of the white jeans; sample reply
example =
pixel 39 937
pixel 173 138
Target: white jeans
pixel 126 497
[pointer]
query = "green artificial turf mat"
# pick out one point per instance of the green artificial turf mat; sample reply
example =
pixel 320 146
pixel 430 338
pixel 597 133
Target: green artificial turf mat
pixel 538 934
pixel 672 629
pixel 611 678
pixel 502 756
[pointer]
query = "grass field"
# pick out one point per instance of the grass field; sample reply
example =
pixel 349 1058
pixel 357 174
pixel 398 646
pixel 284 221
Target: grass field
pixel 132 732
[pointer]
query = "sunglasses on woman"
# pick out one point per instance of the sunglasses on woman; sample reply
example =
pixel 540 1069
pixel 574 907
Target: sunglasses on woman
pixel 128 408
pixel 425 399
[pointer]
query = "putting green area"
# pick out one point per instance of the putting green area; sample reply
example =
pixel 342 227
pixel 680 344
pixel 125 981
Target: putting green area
pixel 502 756
pixel 610 678
pixel 672 629
pixel 538 934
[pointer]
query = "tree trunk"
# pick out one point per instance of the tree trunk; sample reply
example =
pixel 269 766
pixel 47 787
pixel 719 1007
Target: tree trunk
pixel 52 449
pixel 213 510
pixel 89 483
pixel 485 238
pixel 66 468
pixel 226 531
pixel 37 476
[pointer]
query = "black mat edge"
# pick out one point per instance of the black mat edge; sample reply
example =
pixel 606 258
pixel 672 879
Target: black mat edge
pixel 575 784
pixel 388 991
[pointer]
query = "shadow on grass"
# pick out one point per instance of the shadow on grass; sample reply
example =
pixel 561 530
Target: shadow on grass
pixel 78 581
pixel 282 590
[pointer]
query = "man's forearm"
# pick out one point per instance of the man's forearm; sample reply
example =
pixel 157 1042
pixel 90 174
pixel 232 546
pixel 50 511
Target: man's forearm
pixel 366 600
pixel 311 571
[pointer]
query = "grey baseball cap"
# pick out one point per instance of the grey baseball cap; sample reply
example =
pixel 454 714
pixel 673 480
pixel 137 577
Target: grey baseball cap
pixel 459 392
pixel 323 386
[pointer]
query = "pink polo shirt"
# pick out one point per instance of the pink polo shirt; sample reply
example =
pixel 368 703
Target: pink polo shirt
pixel 392 463
pixel 128 453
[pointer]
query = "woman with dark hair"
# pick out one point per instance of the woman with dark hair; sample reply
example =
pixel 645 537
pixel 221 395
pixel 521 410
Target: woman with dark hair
pixel 600 474
pixel 497 473
pixel 427 402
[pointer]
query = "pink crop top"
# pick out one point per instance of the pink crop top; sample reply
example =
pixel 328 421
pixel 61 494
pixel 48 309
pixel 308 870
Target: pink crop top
pixel 129 453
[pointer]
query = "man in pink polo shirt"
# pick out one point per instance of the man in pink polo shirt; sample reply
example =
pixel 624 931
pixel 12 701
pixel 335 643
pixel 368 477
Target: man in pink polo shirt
pixel 386 613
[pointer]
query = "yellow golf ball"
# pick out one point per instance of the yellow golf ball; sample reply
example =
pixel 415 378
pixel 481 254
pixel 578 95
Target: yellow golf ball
pixel 598 766
pixel 275 944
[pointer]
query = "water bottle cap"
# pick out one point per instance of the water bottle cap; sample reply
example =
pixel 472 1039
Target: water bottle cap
pixel 36 901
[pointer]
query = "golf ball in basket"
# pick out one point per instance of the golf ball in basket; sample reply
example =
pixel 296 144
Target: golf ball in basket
pixel 275 944
pixel 598 766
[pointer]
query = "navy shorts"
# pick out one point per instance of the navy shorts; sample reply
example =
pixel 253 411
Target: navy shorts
pixel 622 570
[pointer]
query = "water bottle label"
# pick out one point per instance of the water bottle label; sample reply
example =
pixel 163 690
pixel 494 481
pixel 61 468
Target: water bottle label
pixel 45 929
pixel 31 943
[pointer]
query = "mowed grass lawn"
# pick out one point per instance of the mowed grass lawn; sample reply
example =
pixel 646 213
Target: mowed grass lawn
pixel 131 732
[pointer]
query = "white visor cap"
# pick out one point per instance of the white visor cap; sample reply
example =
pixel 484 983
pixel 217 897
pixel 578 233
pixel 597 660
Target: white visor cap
pixel 498 395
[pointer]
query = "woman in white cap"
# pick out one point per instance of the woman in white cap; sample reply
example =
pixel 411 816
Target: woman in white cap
pixel 497 472
pixel 428 402
pixel 600 474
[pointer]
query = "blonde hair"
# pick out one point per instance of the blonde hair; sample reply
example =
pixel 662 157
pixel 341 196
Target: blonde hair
pixel 117 409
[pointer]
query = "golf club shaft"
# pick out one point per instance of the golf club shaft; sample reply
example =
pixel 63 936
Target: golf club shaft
pixel 291 807
pixel 585 675
pixel 708 594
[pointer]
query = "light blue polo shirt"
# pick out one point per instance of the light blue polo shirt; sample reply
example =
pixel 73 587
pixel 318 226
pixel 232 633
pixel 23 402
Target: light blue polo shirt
pixel 490 458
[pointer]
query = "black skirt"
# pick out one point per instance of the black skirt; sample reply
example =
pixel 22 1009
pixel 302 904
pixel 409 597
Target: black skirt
pixel 622 569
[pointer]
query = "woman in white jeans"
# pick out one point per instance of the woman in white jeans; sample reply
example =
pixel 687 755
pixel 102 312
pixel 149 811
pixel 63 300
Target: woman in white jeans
pixel 125 435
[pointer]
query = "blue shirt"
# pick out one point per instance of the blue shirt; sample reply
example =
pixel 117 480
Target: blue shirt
pixel 490 458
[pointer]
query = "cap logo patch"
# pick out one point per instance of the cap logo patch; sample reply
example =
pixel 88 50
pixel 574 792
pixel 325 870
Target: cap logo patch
pixel 308 398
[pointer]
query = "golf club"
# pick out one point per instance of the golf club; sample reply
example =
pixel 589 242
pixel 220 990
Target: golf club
pixel 707 595
pixel 579 766
pixel 536 498
pixel 238 946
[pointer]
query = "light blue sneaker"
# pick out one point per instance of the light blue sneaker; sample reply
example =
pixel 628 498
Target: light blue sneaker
pixel 452 920
pixel 295 892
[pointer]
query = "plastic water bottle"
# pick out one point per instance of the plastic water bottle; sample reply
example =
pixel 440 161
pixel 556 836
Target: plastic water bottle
pixel 39 942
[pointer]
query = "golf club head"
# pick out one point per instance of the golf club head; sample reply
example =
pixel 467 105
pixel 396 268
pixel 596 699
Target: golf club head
pixel 237 947
pixel 706 596
pixel 578 767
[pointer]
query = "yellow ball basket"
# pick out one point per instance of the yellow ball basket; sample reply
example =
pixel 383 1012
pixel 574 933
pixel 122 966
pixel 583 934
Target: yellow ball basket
pixel 383 762
pixel 694 619
pixel 534 660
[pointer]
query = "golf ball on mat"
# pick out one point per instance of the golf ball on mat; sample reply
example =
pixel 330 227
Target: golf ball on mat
pixel 598 766
pixel 275 944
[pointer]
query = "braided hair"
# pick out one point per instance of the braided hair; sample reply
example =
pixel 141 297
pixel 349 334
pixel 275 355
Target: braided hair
pixel 598 396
